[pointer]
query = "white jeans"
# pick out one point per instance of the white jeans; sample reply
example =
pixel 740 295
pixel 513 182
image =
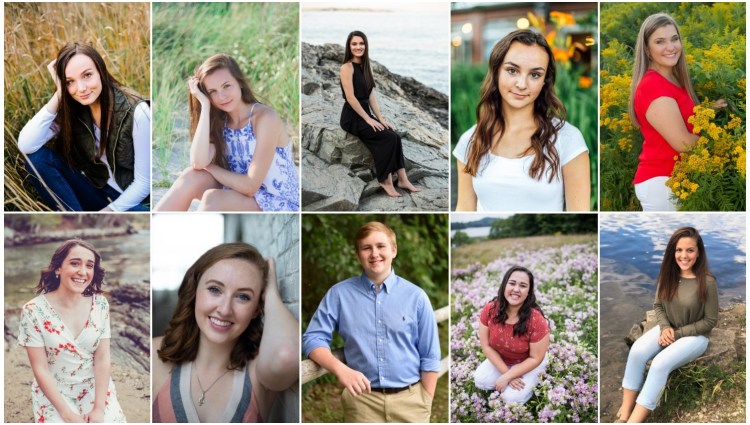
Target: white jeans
pixel 666 359
pixel 655 195
pixel 486 375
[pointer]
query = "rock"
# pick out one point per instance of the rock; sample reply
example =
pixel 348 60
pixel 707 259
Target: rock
pixel 329 187
pixel 130 323
pixel 419 113
pixel 635 332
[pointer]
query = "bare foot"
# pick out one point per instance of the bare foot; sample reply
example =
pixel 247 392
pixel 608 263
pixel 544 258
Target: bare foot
pixel 390 190
pixel 408 186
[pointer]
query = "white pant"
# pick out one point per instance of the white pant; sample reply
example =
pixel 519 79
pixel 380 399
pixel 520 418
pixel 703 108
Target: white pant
pixel 486 375
pixel 655 195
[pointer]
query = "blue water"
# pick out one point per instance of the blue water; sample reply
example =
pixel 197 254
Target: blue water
pixel 474 232
pixel 410 43
pixel 635 243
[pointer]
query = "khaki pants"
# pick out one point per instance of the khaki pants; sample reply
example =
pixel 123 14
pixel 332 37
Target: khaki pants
pixel 410 406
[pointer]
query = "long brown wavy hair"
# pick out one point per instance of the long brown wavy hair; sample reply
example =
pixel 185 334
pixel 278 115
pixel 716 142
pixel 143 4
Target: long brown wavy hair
pixel 181 340
pixel 49 281
pixel 491 122
pixel 71 110
pixel 669 273
pixel 642 61
pixel 217 116
pixel 348 56
pixel 500 307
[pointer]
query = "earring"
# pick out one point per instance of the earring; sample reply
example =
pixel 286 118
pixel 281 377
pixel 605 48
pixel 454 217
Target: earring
pixel 57 276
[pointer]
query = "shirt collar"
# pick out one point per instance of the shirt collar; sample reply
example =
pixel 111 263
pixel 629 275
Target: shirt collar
pixel 388 283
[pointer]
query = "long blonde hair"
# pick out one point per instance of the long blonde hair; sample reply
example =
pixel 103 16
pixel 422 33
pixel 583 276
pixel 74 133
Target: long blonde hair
pixel 642 61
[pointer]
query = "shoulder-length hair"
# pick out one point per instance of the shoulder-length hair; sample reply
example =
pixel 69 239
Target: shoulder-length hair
pixel 348 56
pixel 669 273
pixel 181 340
pixel 49 281
pixel 642 60
pixel 217 117
pixel 547 107
pixel 70 110
pixel 500 308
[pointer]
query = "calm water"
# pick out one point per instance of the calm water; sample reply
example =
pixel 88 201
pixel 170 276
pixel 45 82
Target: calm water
pixel 475 232
pixel 126 259
pixel 415 44
pixel 632 247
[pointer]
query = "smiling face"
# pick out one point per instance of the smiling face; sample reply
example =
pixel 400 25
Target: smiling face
pixel 227 299
pixel 517 288
pixel 376 253
pixel 223 90
pixel 685 254
pixel 77 270
pixel 358 47
pixel 664 48
pixel 82 80
pixel 521 75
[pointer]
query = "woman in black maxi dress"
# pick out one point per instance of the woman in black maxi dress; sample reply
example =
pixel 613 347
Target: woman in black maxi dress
pixel 358 119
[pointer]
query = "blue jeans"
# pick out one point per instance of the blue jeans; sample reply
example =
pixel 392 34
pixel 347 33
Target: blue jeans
pixel 72 190
pixel 665 360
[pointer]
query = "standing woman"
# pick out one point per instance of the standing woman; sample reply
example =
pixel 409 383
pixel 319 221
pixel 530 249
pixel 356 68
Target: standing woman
pixel 661 101
pixel 231 345
pixel 65 330
pixel 241 156
pixel 687 308
pixel 515 336
pixel 89 147
pixel 522 155
pixel 357 117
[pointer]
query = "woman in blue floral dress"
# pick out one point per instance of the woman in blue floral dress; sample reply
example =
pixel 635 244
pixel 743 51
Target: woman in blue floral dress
pixel 65 330
pixel 240 158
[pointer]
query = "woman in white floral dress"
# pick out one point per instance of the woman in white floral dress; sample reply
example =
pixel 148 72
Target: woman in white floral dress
pixel 65 330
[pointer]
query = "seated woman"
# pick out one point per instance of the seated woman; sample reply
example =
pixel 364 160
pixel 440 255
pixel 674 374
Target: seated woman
pixel 220 360
pixel 89 147
pixel 515 336
pixel 380 137
pixel 522 155
pixel 241 157
pixel 65 330
pixel 687 308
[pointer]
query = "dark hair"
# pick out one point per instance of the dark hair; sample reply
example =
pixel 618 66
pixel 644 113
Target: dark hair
pixel 70 109
pixel 348 56
pixel 524 314
pixel 217 117
pixel 49 281
pixel 547 106
pixel 181 339
pixel 669 273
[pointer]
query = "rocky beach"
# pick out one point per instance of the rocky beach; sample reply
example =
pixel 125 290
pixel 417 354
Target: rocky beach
pixel 338 170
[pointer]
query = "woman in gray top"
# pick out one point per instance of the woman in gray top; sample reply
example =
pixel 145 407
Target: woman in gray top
pixel 687 308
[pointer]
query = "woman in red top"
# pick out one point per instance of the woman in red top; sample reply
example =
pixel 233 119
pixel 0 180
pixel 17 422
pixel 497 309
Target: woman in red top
pixel 661 101
pixel 515 336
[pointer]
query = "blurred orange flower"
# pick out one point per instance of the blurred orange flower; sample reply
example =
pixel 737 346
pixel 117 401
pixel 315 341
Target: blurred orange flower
pixel 585 82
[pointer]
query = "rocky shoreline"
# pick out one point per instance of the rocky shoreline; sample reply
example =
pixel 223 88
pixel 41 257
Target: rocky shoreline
pixel 338 170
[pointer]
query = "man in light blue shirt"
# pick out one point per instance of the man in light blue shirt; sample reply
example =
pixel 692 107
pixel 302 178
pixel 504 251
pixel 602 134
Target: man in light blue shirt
pixel 390 337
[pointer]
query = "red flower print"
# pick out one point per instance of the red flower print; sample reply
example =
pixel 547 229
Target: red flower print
pixel 41 419
pixel 82 394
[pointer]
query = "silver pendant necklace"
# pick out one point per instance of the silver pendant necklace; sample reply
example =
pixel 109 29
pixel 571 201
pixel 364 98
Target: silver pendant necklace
pixel 202 400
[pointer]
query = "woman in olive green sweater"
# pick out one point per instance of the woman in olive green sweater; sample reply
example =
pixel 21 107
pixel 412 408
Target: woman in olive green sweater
pixel 687 308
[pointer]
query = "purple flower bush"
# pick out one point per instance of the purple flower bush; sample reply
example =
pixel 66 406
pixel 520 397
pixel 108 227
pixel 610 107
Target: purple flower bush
pixel 566 290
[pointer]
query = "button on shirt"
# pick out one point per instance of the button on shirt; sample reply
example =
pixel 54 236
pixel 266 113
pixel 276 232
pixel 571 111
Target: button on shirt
pixel 390 336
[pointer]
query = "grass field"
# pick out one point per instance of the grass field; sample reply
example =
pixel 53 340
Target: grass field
pixel 34 33
pixel 262 37
pixel 487 250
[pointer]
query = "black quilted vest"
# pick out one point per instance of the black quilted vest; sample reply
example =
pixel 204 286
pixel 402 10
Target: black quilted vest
pixel 120 152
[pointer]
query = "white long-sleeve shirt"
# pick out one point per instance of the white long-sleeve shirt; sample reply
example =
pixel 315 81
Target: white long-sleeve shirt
pixel 40 129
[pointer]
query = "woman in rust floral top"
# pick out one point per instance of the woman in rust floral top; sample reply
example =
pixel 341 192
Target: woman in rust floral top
pixel 65 330
pixel 515 336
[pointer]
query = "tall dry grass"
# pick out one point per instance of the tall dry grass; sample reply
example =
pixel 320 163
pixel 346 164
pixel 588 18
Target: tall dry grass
pixel 34 32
